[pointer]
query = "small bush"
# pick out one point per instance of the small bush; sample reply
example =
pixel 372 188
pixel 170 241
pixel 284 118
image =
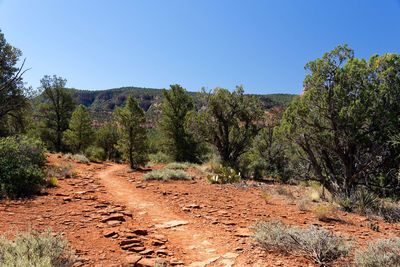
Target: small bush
pixel 80 158
pixel 95 154
pixel 266 196
pixel 178 165
pixel 52 182
pixel 224 175
pixel 322 212
pixel 60 170
pixel 34 249
pixel 304 204
pixel 320 245
pixel 160 157
pixel 388 211
pixel 21 160
pixel 165 175
pixel 315 196
pixel 381 253
pixel 361 201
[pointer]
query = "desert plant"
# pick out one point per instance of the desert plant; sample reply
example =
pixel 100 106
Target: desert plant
pixel 320 245
pixel 21 160
pixel 304 204
pixel 96 154
pixel 266 196
pixel 284 191
pixel 178 165
pixel 160 157
pixel 388 211
pixel 322 212
pixel 223 175
pixel 314 196
pixel 165 175
pixel 79 158
pixel 52 182
pixel 60 170
pixel 35 249
pixel 381 253
pixel 361 201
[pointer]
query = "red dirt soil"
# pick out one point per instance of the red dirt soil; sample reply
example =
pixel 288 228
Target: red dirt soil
pixel 113 218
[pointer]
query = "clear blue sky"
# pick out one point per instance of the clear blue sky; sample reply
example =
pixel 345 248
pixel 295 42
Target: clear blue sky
pixel 263 45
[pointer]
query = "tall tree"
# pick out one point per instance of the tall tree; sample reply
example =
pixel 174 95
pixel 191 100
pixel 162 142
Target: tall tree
pixel 107 138
pixel 228 120
pixel 133 141
pixel 56 110
pixel 342 128
pixel 180 144
pixel 12 91
pixel 80 134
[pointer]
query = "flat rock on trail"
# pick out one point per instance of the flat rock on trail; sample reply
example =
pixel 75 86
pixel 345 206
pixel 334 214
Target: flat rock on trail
pixel 111 217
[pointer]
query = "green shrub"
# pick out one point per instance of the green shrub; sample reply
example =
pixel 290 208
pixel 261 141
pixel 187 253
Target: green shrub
pixel 224 175
pixel 95 154
pixel 160 157
pixel 34 249
pixel 381 253
pixel 80 158
pixel 165 175
pixel 178 165
pixel 21 159
pixel 320 245
pixel 361 201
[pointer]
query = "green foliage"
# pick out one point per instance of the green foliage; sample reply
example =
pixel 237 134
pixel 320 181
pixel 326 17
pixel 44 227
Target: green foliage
pixel 167 174
pixel 33 249
pixel 380 253
pixel 12 91
pixel 55 111
pixel 266 157
pixel 178 165
pixel 179 143
pixel 320 245
pixel 224 175
pixel 80 158
pixel 361 201
pixel 342 127
pixel 229 121
pixel 133 141
pixel 96 154
pixel 80 133
pixel 101 102
pixel 21 160
pixel 160 157
pixel 107 138
pixel 52 181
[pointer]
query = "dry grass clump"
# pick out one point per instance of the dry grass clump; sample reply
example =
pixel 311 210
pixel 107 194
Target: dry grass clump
pixel 60 170
pixel 319 245
pixel 381 253
pixel 325 212
pixel 284 191
pixel 52 181
pixel 304 204
pixel 35 249
pixel 165 175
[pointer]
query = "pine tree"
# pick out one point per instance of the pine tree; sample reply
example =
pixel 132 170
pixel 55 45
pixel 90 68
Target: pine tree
pixel 80 134
pixel 179 143
pixel 133 141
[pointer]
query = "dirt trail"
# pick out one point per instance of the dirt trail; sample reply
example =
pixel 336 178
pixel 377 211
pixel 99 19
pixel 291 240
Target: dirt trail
pixel 197 246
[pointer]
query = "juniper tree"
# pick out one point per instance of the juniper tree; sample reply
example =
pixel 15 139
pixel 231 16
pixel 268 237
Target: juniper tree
pixel 133 142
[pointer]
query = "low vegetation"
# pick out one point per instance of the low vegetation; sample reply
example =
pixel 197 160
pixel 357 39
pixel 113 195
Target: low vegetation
pixel 165 175
pixel 178 165
pixel 381 253
pixel 319 245
pixel 35 249
pixel 223 175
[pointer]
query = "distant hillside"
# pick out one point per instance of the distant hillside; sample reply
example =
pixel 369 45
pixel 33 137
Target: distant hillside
pixel 101 103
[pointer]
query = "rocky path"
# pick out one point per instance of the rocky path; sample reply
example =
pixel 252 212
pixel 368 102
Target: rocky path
pixel 194 245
